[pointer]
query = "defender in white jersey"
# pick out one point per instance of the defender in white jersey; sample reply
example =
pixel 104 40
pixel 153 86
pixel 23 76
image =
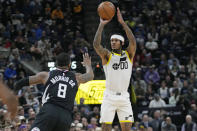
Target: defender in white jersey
pixel 118 68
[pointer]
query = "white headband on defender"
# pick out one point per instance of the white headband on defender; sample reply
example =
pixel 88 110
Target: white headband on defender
pixel 119 37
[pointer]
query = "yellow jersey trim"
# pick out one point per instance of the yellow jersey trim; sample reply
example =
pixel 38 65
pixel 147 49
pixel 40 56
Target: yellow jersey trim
pixel 127 121
pixel 116 54
pixel 107 122
pixel 129 57
pixel 109 59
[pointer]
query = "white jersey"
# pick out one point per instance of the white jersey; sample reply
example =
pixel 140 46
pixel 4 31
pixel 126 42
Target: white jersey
pixel 118 72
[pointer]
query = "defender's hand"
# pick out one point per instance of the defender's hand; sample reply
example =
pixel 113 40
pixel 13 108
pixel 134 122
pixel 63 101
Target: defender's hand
pixel 12 104
pixel 119 16
pixel 86 60
pixel 9 99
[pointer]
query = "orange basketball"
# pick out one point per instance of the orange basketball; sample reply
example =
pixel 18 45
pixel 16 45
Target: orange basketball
pixel 106 10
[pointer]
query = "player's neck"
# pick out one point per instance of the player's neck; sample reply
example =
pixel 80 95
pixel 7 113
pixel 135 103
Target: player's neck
pixel 63 67
pixel 118 51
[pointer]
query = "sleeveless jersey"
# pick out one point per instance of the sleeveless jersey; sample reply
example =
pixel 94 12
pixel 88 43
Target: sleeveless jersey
pixel 60 89
pixel 118 72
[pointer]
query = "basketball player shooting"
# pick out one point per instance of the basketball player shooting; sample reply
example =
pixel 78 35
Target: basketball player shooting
pixel 61 87
pixel 117 66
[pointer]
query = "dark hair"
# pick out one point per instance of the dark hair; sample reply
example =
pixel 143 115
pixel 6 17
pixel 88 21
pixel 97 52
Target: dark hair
pixel 63 59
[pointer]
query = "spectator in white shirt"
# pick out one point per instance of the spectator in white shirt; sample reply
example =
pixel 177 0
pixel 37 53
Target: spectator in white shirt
pixel 157 102
pixel 164 91
pixel 151 45
pixel 174 98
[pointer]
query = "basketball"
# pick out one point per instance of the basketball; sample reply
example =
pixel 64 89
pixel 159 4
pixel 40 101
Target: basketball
pixel 106 10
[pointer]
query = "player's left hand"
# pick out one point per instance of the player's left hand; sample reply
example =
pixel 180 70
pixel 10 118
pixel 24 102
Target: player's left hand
pixel 119 16
pixel 86 60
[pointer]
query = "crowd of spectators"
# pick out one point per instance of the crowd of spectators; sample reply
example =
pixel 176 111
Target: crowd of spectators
pixel 164 68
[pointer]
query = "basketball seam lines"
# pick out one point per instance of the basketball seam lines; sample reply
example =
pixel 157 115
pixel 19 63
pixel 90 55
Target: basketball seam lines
pixel 106 12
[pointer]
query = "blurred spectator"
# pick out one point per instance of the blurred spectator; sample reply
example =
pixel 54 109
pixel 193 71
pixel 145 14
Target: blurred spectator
pixel 48 10
pixel 57 13
pixel 191 66
pixel 10 71
pixel 169 81
pixel 149 93
pixel 163 67
pixel 82 105
pixel 152 76
pixel 157 102
pixel 156 122
pixel 192 80
pixel 33 102
pixel 151 45
pixel 174 97
pixel 174 68
pixel 140 95
pixel 189 125
pixel 95 113
pixel 184 103
pixel 164 91
pixel 93 123
pixel 182 73
pixel 139 81
pixel 168 125
pixel 174 87
pixel 85 123
pixel 193 112
pixel 171 59
pixel 145 121
pixel 185 88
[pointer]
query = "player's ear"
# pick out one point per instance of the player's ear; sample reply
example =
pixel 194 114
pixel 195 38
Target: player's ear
pixel 122 43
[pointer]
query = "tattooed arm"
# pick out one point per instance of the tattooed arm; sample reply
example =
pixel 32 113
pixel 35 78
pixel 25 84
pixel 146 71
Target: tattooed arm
pixel 102 52
pixel 39 78
pixel 89 75
pixel 131 49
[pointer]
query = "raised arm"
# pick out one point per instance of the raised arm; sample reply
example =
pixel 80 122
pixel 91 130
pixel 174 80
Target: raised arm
pixel 131 49
pixel 89 75
pixel 39 78
pixel 102 52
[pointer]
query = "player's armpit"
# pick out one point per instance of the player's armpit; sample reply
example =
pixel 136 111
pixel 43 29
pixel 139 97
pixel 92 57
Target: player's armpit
pixel 39 78
pixel 102 52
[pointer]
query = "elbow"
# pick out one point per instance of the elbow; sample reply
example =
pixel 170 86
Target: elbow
pixel 95 45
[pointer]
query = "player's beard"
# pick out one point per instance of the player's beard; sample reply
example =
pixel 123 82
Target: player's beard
pixel 118 51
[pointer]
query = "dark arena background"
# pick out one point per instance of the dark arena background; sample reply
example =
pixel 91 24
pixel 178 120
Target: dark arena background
pixel 34 32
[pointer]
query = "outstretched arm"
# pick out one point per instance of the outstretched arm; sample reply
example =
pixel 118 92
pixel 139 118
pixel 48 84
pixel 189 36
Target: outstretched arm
pixel 39 78
pixel 131 49
pixel 89 75
pixel 9 99
pixel 102 52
